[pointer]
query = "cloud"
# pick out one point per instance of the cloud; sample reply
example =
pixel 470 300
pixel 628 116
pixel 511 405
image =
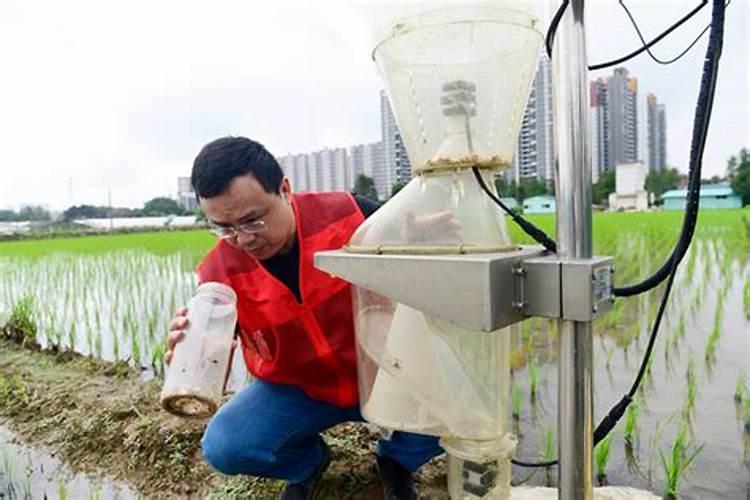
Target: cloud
pixel 120 95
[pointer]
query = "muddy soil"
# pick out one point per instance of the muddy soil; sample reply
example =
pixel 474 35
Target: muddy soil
pixel 102 418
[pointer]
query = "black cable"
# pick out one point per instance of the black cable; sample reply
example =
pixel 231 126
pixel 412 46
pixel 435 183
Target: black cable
pixel 549 39
pixel 698 144
pixel 529 228
pixel 647 46
pixel 700 130
pixel 702 119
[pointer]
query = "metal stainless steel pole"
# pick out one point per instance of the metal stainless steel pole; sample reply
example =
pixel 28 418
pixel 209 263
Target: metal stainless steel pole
pixel 575 384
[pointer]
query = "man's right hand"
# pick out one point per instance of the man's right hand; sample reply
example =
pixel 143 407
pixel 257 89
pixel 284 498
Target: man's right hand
pixel 176 332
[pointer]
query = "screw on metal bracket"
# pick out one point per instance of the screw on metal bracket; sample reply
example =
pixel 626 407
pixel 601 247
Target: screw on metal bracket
pixel 519 271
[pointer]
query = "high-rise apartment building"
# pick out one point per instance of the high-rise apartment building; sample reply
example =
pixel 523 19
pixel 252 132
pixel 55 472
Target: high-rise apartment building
pixel 614 120
pixel 325 170
pixel 657 134
pixel 535 151
pixel 398 167
pixel 369 160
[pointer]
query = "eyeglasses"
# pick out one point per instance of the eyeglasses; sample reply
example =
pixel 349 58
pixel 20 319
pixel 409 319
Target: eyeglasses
pixel 226 232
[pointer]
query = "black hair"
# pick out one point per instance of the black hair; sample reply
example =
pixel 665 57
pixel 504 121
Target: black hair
pixel 221 160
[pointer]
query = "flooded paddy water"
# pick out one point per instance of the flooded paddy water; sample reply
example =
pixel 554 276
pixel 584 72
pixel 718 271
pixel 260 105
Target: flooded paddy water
pixel 114 303
pixel 30 474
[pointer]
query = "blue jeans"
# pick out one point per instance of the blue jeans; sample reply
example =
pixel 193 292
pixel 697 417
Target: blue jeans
pixel 273 430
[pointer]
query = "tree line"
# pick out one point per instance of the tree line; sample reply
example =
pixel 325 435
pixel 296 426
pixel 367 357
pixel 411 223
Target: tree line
pixel 156 207
pixel 737 175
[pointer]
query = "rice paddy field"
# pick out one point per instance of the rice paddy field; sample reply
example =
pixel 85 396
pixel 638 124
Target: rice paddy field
pixel 687 434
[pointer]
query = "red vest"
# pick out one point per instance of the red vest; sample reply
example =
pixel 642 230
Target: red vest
pixel 308 344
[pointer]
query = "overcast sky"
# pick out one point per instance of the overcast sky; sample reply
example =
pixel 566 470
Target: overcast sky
pixel 120 95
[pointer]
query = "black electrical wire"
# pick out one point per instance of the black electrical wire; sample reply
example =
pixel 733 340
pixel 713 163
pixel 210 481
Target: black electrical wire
pixel 647 46
pixel 700 130
pixel 529 228
pixel 701 122
pixel 697 147
pixel 549 39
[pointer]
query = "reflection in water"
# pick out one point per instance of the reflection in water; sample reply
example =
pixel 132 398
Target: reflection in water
pixel 27 473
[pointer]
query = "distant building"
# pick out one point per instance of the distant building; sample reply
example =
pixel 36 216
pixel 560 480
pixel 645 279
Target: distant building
pixel 630 192
pixel 535 150
pixel 543 204
pixel 657 135
pixel 295 167
pixel 369 160
pixel 185 195
pixel 397 165
pixel 712 196
pixel 614 120
pixel 324 170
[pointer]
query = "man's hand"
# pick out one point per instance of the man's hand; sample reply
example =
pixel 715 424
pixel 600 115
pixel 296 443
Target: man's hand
pixel 439 227
pixel 176 332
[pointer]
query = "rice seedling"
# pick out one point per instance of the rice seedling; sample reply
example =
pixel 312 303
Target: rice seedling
pixel 690 396
pixel 549 450
pixel 26 489
pixel 115 347
pixel 740 388
pixel 96 492
pixel 747 415
pixel 692 385
pixel 533 379
pixel 601 457
pixel 72 337
pixel 678 461
pixel 8 465
pixel 98 344
pixel 22 324
pixel 135 351
pixel 62 490
pixel 549 447
pixel 157 357
pixel 631 418
pixel 713 339
pixel 515 398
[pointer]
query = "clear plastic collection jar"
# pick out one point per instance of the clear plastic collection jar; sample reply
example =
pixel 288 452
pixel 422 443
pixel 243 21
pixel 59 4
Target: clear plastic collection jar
pixel 195 380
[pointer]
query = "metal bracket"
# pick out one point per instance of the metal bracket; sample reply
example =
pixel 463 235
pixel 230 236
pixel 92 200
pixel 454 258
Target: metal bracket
pixel 577 290
pixel 482 292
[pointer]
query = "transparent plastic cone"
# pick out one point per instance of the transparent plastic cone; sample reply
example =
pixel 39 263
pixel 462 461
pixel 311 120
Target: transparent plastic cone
pixel 458 79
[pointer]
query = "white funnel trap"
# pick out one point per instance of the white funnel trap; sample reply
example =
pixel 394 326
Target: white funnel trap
pixel 458 79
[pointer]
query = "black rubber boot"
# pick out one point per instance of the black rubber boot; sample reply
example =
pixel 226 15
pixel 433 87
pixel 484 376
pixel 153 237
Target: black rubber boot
pixel 396 480
pixel 305 490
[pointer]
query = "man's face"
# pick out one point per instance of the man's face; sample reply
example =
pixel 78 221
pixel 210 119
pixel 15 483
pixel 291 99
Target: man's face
pixel 243 203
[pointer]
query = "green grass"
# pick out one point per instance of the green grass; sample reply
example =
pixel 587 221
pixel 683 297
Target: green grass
pixel 195 243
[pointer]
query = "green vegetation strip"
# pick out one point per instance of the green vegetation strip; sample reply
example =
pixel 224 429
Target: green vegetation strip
pixel 194 243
